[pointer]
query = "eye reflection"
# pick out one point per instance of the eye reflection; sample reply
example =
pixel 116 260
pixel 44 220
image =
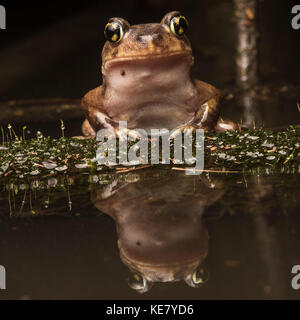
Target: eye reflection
pixel 198 278
pixel 139 283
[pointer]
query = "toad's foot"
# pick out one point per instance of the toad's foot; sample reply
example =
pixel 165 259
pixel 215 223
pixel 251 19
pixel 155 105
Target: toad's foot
pixel 188 129
pixel 227 125
pixel 110 132
pixel 124 133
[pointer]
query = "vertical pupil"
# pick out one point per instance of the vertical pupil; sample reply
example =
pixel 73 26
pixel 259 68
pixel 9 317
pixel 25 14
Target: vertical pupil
pixel 113 32
pixel 180 25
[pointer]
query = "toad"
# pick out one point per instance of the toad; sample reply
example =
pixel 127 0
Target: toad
pixel 147 81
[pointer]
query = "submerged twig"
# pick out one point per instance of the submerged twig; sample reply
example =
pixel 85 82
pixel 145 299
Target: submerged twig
pixel 206 171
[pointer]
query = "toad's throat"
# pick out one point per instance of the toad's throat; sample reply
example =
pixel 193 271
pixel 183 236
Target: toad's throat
pixel 155 92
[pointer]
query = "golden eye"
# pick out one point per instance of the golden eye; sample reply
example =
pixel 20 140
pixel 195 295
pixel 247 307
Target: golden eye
pixel 179 25
pixel 114 32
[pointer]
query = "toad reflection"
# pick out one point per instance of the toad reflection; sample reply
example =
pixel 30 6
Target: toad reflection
pixel 161 234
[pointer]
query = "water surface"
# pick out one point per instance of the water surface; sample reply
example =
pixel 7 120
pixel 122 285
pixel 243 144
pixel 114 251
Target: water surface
pixel 243 230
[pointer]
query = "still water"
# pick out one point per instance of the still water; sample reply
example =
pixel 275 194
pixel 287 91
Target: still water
pixel 184 237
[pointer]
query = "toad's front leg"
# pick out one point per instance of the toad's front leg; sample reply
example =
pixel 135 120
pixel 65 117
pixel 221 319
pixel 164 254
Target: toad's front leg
pixel 205 118
pixel 98 119
pixel 208 119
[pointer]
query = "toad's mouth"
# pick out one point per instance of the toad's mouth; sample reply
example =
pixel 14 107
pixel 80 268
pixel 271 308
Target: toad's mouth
pixel 151 58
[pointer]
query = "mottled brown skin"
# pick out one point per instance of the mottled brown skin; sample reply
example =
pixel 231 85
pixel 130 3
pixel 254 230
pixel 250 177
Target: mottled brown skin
pixel 147 82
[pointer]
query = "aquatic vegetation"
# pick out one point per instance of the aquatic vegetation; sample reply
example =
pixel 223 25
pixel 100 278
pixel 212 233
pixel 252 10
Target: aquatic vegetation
pixel 256 149
pixel 45 176
pixel 244 151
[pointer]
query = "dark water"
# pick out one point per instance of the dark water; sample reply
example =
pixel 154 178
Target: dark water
pixel 242 230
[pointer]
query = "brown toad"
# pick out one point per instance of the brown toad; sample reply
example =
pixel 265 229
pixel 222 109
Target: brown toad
pixel 147 82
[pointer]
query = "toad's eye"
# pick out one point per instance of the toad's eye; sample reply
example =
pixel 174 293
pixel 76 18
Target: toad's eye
pixel 179 25
pixel 114 31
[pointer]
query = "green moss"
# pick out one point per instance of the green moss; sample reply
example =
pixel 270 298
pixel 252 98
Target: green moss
pixel 247 151
pixel 256 149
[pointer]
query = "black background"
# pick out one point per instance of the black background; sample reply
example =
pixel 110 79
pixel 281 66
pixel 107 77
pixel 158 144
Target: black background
pixel 69 70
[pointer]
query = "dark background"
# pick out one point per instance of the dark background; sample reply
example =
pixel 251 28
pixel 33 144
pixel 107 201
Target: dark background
pixel 53 48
